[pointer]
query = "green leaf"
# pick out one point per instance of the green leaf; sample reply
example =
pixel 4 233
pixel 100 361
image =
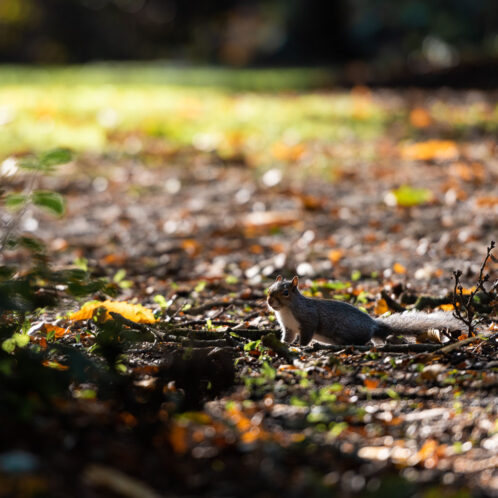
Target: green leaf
pixel 268 371
pixel 55 157
pixel 119 276
pixel 250 346
pixel 30 163
pixel 6 272
pixel 200 286
pixel 17 340
pixel 81 263
pixel 407 196
pixel 355 275
pixel 51 201
pixel 15 201
pixel 35 245
pixel 161 301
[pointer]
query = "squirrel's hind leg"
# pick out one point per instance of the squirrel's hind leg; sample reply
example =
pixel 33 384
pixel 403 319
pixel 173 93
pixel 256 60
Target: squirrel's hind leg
pixel 288 335
pixel 305 337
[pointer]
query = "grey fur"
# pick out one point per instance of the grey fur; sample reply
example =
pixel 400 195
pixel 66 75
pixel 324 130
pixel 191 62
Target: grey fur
pixel 337 322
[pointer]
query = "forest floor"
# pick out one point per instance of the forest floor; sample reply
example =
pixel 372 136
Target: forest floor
pixel 190 202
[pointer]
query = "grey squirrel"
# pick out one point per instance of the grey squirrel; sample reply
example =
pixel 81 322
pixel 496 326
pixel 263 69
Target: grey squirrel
pixel 336 322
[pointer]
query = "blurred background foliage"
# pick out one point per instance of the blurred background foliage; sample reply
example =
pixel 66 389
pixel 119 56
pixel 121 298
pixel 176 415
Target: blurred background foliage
pixel 372 40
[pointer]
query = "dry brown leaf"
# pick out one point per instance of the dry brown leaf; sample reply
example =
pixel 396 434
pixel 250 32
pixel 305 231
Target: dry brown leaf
pixel 266 220
pixel 487 201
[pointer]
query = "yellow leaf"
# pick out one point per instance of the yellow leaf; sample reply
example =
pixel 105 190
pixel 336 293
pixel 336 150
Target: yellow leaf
pixel 432 149
pixel 288 153
pixel 134 312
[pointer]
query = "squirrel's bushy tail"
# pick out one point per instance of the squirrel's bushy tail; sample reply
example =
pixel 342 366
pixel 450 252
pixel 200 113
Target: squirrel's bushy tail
pixel 414 323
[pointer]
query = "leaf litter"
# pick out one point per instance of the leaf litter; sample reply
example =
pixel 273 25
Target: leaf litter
pixel 195 402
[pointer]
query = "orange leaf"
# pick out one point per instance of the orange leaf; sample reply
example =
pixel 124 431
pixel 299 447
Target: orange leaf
pixel 178 438
pixel 462 337
pixel 134 312
pixel 256 249
pixel 59 331
pixel 288 153
pixel 420 118
pixel 487 201
pixel 335 255
pixel 55 364
pixel 447 307
pixel 440 150
pixel 428 449
pixel 371 383
pixel 381 307
pixel 191 246
pixel 399 268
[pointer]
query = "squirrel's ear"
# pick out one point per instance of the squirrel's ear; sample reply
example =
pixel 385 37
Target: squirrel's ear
pixel 295 281
pixel 278 278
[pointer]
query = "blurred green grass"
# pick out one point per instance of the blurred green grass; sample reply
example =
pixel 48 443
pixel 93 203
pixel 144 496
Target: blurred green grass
pixel 264 116
pixel 103 108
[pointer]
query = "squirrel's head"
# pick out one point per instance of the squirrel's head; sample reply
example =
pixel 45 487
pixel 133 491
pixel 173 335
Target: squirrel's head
pixel 281 292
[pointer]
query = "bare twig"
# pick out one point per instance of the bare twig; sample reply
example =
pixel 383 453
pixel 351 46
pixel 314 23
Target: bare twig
pixel 465 309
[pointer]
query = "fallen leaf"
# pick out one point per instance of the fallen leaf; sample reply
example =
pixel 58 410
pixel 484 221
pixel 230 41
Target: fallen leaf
pixel 371 383
pixel 487 201
pixel 49 328
pixel 178 438
pixel 335 255
pixel 381 307
pixel 265 220
pixel 447 307
pixel 428 449
pixel 440 150
pixel 55 364
pixel 287 153
pixel 134 312
pixel 407 196
pixel 399 268
pixel 191 246
pixel 420 118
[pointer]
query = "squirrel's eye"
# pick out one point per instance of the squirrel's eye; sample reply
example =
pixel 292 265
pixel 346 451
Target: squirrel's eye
pixel 285 292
